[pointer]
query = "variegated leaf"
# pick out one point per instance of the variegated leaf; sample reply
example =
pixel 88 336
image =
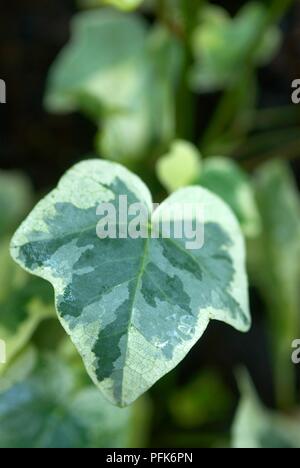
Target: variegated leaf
pixel 277 251
pixel 123 75
pixel 256 427
pixel 220 44
pixel 133 307
pixel 45 403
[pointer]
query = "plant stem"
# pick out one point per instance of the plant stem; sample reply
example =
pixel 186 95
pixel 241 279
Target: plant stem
pixel 225 110
pixel 186 101
pixel 285 388
pixel 277 9
pixel 190 11
pixel 168 21
pixel 284 369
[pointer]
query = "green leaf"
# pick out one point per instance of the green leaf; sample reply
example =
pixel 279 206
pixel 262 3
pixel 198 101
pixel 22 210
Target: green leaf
pixel 123 75
pixel 49 407
pixel 24 302
pixel 125 5
pixel 15 200
pixel 179 167
pixel 184 166
pixel 277 252
pixel 134 131
pixel 257 427
pixel 278 249
pixel 99 55
pixel 133 307
pixel 225 178
pixel 221 45
pixel 23 299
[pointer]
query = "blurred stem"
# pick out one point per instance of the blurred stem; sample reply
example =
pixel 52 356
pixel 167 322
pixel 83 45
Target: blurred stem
pixel 225 110
pixel 285 379
pixel 186 101
pixel 269 118
pixel 238 109
pixel 190 12
pixel 277 9
pixel 281 143
pixel 223 115
pixel 161 11
pixel 168 21
pixel 284 369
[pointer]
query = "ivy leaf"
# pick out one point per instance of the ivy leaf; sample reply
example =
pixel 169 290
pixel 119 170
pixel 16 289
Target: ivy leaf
pixel 178 168
pixel 277 251
pixel 122 74
pixel 221 43
pixel 56 409
pixel 278 248
pixel 257 427
pixel 103 45
pixel 133 307
pixel 24 302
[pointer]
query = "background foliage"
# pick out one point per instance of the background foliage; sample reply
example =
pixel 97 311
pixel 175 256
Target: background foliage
pixel 183 93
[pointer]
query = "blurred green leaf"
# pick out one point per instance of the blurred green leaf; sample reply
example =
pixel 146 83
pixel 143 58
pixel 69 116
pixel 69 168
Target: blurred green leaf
pixel 278 249
pixel 103 46
pixel 204 400
pixel 50 408
pixel 123 75
pixel 184 166
pixel 257 427
pixel 135 130
pixel 125 5
pixel 225 178
pixel 19 368
pixel 24 302
pixel 274 259
pixel 16 199
pixel 178 168
pixel 221 45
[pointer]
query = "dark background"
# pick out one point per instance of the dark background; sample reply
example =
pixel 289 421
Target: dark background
pixel 31 34
pixel 44 146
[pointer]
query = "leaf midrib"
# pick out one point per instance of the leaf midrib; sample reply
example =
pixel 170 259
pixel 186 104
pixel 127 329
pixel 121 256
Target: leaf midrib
pixel 138 281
